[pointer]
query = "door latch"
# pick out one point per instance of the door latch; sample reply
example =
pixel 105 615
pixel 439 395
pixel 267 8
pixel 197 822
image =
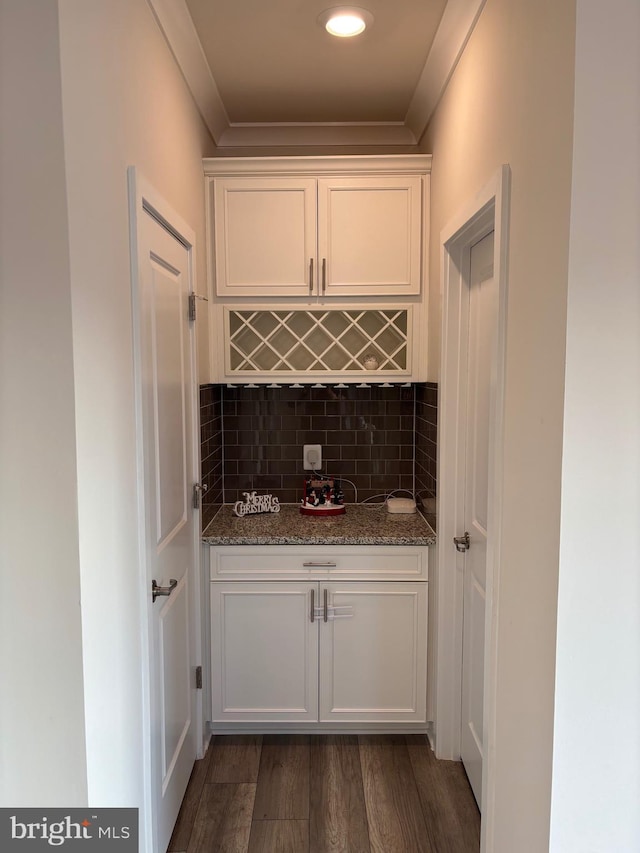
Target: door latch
pixel 462 543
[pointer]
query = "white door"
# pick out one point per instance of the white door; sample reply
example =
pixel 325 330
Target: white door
pixel 373 652
pixel 483 312
pixel 162 283
pixel 264 659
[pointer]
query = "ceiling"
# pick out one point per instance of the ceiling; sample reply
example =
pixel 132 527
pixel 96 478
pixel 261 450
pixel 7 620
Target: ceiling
pixel 273 62
pixel 265 72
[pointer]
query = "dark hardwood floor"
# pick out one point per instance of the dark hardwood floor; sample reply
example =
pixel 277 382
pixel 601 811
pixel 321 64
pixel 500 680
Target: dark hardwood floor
pixel 326 794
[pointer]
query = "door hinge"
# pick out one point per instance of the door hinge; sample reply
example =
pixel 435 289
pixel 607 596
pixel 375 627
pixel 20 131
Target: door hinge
pixel 193 297
pixel 198 489
pixel 462 543
pixel 198 678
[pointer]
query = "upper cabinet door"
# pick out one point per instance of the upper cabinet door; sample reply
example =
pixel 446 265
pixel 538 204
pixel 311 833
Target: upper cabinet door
pixel 265 236
pixel 369 235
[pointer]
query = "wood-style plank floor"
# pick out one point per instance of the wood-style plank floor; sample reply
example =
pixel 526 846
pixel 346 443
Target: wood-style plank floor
pixel 326 794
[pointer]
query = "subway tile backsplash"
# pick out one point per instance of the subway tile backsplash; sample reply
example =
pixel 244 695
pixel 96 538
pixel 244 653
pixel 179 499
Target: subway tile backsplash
pixel 211 443
pixel 382 439
pixel 426 444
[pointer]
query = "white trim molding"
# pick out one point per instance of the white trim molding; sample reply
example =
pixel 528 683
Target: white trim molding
pixel 366 164
pixel 457 23
pixel 179 32
pixel 263 134
pixel 487 211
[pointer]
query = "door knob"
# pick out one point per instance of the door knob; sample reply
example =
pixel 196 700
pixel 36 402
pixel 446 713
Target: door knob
pixel 162 590
pixel 462 543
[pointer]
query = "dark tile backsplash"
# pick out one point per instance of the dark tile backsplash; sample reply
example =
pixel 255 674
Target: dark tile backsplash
pixel 382 439
pixel 426 443
pixel 211 443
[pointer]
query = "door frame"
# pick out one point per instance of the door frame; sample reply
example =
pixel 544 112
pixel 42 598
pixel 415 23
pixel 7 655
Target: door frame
pixel 486 211
pixel 144 197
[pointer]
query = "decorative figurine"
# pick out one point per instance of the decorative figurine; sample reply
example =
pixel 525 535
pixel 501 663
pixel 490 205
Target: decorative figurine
pixel 322 497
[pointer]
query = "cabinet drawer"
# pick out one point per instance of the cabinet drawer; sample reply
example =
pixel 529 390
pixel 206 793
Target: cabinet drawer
pixel 351 562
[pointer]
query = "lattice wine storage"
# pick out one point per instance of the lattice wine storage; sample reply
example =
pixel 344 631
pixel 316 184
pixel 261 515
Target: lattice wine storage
pixel 316 341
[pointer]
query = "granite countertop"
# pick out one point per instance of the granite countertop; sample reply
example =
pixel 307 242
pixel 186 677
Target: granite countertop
pixel 361 524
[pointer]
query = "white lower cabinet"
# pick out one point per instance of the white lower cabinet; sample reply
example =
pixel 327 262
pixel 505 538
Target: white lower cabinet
pixel 323 652
pixel 373 653
pixel 264 662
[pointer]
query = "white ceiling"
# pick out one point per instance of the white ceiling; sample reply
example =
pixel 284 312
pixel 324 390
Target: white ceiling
pixel 273 62
pixel 265 73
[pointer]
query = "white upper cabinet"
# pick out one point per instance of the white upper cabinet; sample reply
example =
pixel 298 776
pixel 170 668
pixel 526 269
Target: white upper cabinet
pixel 264 236
pixel 369 236
pixel 317 268
pixel 318 227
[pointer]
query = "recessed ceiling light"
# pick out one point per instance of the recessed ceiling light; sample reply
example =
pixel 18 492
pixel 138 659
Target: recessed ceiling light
pixel 345 21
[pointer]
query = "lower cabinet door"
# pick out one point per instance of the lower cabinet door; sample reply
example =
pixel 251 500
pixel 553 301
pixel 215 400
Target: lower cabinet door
pixel 264 660
pixel 373 653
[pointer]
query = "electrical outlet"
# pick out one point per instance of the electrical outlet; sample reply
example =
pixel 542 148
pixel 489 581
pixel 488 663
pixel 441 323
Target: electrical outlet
pixel 312 457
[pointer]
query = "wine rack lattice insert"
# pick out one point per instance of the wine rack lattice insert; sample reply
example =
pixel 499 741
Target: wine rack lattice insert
pixel 317 341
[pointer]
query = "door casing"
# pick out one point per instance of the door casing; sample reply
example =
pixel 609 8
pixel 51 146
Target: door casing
pixel 486 211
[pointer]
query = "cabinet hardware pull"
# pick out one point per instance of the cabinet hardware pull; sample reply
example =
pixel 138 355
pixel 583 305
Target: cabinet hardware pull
pixel 322 564
pixel 326 609
pixel 311 276
pixel 324 275
pixel 313 609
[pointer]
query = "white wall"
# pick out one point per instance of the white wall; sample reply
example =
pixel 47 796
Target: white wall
pixel 596 760
pixel 124 103
pixel 42 744
pixel 88 88
pixel 510 100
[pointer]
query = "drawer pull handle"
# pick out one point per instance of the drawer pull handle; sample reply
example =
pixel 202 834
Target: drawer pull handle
pixel 320 564
pixel 324 276
pixel 311 275
pixel 313 609
pixel 326 609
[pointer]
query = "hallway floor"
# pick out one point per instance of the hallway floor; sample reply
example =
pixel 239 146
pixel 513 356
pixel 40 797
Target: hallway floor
pixel 326 794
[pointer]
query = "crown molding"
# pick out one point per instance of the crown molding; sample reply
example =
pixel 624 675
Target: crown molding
pixel 458 21
pixel 178 29
pixel 409 164
pixel 312 133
